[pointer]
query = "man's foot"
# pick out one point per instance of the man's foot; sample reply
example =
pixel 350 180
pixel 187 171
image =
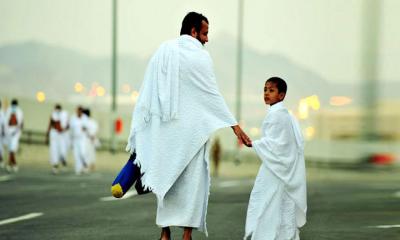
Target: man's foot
pixel 15 168
pixel 187 233
pixel 165 234
pixel 2 165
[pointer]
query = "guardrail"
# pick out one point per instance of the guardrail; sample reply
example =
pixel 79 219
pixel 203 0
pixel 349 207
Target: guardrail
pixel 39 138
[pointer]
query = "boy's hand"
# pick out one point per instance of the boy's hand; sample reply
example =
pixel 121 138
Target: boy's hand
pixel 242 135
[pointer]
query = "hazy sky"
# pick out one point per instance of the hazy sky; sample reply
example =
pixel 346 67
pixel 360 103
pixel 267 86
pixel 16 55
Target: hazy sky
pixel 323 35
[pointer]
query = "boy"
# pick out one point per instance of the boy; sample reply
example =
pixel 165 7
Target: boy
pixel 278 205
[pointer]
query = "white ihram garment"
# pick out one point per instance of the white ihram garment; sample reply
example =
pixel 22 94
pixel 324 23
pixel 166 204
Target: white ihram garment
pixel 92 128
pixel 78 126
pixel 13 133
pixel 2 132
pixel 178 109
pixel 278 201
pixel 58 145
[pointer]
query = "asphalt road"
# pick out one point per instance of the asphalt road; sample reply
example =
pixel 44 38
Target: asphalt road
pixel 343 204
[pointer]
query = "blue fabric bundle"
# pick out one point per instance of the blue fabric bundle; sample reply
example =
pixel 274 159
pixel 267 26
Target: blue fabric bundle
pixel 129 174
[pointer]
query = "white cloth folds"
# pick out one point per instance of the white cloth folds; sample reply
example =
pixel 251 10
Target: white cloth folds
pixel 178 109
pixel 13 133
pixel 58 144
pixel 280 181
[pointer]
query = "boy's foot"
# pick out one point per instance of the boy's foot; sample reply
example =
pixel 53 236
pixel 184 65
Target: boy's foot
pixel 2 165
pixel 8 168
pixel 15 168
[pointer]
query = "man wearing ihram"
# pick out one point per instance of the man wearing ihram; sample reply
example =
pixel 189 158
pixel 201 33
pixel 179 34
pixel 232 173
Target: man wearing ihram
pixel 178 109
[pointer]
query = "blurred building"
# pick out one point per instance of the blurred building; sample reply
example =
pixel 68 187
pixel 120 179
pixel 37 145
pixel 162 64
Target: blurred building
pixel 347 123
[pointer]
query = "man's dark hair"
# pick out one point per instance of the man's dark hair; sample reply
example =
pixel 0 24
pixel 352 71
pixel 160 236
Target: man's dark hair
pixel 192 19
pixel 279 82
pixel 58 106
pixel 86 111
pixel 14 102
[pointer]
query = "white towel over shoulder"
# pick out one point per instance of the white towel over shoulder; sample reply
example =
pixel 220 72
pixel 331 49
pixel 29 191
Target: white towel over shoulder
pixel 178 109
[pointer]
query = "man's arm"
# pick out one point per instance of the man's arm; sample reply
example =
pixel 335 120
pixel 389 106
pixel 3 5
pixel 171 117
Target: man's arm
pixel 241 135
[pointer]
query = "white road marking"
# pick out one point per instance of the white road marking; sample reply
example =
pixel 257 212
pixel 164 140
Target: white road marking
pixel 386 226
pixel 234 183
pixel 20 218
pixel 397 194
pixel 111 198
pixel 5 178
pixel 229 184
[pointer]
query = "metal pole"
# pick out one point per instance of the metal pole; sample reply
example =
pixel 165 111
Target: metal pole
pixel 239 66
pixel 114 75
pixel 369 54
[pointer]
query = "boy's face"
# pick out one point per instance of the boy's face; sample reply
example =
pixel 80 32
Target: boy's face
pixel 271 94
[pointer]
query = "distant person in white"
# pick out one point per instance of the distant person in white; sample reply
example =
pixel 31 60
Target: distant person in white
pixel 14 125
pixel 91 139
pixel 56 132
pixel 278 201
pixel 2 135
pixel 78 129
pixel 178 109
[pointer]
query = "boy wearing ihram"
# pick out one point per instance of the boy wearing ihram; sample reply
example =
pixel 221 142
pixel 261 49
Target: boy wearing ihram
pixel 278 203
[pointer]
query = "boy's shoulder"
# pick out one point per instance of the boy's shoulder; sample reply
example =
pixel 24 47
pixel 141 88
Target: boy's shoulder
pixel 280 115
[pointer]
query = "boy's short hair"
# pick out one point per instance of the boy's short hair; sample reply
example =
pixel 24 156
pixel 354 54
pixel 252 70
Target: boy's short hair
pixel 280 84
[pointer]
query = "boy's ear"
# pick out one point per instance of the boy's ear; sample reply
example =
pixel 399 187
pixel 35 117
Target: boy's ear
pixel 282 96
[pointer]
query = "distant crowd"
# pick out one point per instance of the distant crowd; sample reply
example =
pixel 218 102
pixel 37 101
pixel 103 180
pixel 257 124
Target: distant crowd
pixel 78 132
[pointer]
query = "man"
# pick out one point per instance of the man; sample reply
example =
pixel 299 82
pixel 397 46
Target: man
pixel 56 137
pixel 78 128
pixel 216 155
pixel 91 139
pixel 178 109
pixel 14 123
pixel 2 135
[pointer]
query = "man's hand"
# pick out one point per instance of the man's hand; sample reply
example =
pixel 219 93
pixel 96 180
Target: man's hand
pixel 242 137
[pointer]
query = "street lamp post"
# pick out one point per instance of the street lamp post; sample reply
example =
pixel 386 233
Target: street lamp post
pixel 239 66
pixel 114 75
pixel 369 60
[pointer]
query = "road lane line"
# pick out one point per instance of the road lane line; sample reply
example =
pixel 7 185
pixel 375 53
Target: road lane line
pixel 228 184
pixel 234 183
pixel 20 218
pixel 5 178
pixel 386 226
pixel 397 194
pixel 111 198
